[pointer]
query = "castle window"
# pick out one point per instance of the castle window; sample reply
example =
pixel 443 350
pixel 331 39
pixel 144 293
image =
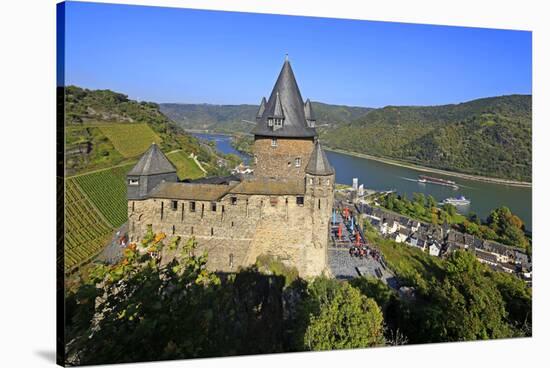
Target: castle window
pixel 133 206
pixel 311 181
pixel 174 205
pixel 192 206
pixel 161 210
pixel 328 181
pixel 297 162
pixel 133 182
pixel 213 206
pixel 173 229
pixel 255 159
pixel 270 122
pixel 192 230
pixel 211 231
pixel 300 201
pixel 231 260
pixel 319 204
pixel 273 142
pixel 273 201
pixel 233 200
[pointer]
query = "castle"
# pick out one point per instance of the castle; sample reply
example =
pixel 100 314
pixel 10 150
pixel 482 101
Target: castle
pixel 283 210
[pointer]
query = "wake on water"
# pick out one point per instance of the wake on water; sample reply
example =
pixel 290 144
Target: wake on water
pixel 416 180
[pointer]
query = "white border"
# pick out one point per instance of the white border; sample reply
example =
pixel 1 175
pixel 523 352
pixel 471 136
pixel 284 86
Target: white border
pixel 27 86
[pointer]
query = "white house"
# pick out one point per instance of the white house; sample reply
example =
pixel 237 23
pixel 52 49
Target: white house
pixel 434 249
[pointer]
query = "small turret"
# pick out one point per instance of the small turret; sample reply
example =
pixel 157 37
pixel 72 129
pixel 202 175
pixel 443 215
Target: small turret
pixel 319 173
pixel 318 163
pixel 261 109
pixel 310 117
pixel 151 169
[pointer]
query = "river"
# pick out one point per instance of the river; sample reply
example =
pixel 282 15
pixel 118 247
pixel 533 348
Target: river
pixel 382 176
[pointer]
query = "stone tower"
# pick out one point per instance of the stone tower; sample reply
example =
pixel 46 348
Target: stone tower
pixel 151 169
pixel 320 193
pixel 283 136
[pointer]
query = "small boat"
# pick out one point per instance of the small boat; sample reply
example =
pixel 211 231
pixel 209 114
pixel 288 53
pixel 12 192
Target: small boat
pixel 458 201
pixel 429 179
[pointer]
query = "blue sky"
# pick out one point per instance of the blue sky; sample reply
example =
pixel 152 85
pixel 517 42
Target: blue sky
pixel 193 56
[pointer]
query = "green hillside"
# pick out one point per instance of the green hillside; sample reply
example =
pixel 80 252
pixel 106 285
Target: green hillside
pixel 141 138
pixel 104 128
pixel 229 118
pixel 489 137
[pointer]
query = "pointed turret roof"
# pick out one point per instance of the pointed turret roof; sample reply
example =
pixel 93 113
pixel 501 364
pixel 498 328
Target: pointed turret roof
pixel 152 162
pixel 318 163
pixel 308 111
pixel 290 104
pixel 261 109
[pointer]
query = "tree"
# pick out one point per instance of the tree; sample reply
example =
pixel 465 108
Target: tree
pixel 472 307
pixel 347 320
pixel 431 202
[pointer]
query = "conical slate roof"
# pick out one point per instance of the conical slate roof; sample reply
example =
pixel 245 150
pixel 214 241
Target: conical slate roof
pixel 308 111
pixel 152 162
pixel 278 111
pixel 261 109
pixel 290 104
pixel 318 163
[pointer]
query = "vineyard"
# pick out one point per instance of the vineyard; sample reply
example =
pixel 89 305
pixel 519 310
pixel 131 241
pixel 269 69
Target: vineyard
pixel 186 166
pixel 86 232
pixel 130 140
pixel 107 190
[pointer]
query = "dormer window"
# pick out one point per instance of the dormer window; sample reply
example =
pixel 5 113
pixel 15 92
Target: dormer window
pixel 133 182
pixel 297 162
pixel 270 122
pixel 273 142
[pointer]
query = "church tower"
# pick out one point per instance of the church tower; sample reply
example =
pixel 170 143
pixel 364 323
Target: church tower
pixel 284 137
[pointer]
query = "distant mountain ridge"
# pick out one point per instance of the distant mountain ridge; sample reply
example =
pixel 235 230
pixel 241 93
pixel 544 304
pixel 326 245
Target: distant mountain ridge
pixel 230 118
pixel 487 136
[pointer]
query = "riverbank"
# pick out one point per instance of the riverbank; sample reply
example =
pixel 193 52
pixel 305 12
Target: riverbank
pixel 486 179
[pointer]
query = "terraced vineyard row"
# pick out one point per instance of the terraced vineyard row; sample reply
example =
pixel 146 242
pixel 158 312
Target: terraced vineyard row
pixel 107 190
pixel 86 232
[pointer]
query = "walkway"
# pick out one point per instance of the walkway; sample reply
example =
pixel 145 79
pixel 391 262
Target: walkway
pixel 345 266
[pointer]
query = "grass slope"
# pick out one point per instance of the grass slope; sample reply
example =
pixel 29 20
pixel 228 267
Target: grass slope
pixel 186 166
pixel 131 140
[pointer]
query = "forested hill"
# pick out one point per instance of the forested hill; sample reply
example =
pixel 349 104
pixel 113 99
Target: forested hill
pixel 229 118
pixel 105 128
pixel 488 137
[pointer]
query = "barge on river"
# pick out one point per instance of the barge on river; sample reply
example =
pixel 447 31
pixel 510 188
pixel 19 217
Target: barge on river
pixel 432 180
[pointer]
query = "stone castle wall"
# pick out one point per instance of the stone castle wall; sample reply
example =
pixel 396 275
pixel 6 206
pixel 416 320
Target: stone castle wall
pixel 236 234
pixel 279 161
